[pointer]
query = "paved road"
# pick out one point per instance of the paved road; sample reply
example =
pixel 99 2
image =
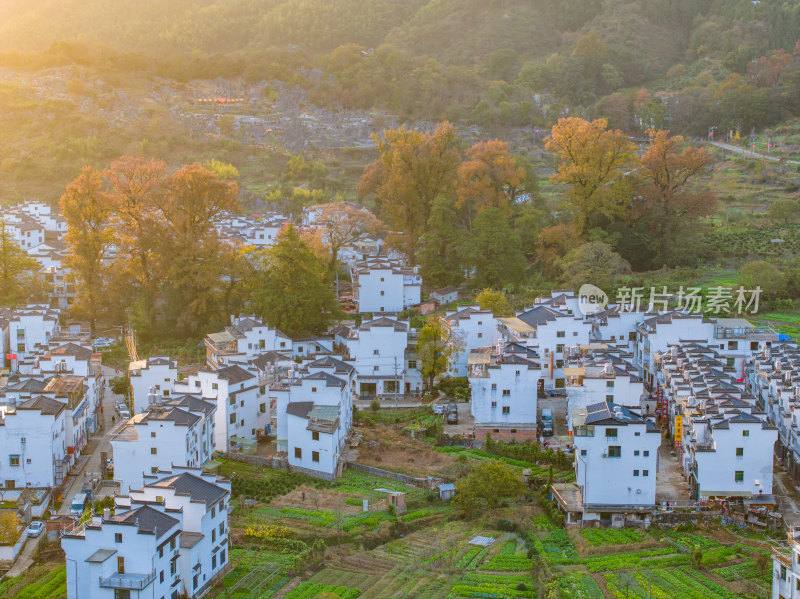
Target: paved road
pixel 99 443
pixel 25 557
pixel 748 153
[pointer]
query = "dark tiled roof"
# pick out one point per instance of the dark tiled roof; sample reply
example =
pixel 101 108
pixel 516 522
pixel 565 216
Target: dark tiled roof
pixel 330 380
pixel 47 406
pixel 299 408
pixel 72 349
pixel 331 362
pixel 235 374
pixel 539 315
pixel 607 412
pixel 146 519
pixel 178 416
pixel 192 403
pixel 194 487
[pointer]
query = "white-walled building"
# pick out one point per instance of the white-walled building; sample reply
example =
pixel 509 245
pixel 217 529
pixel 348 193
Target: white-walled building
pixel 474 328
pixel 178 432
pixel 549 330
pixel 33 444
pixel 242 402
pixel 616 457
pixel 383 285
pixel 31 328
pixel 315 415
pixel 246 338
pixel 504 382
pixel 786 569
pixel 168 539
pixel 378 350
pixel 151 379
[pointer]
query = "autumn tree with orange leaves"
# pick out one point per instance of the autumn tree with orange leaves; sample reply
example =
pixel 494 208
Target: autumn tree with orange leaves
pixel 596 164
pixel 344 224
pixel 87 211
pixel 413 168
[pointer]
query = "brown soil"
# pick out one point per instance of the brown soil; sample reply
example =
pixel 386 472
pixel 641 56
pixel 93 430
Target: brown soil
pixel 385 447
pixel 323 499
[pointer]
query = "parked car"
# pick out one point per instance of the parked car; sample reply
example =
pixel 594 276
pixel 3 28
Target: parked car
pixel 452 417
pixel 452 406
pixel 120 405
pixel 438 409
pixel 125 413
pixel 103 342
pixel 35 528
pixel 78 504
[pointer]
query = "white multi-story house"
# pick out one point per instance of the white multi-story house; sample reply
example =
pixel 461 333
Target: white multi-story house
pixel 786 569
pixel 202 501
pixel 616 457
pixel 315 415
pixel 473 328
pixel 242 401
pixel 151 379
pixel 383 285
pixel 604 375
pixel 167 539
pixel 550 331
pixel 30 329
pixel 246 338
pixel 33 444
pixel 504 382
pixel 378 350
pixel 71 391
pixel 616 327
pixel 179 432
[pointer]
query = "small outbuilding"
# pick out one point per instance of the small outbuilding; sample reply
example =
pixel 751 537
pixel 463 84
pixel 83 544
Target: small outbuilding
pixel 446 491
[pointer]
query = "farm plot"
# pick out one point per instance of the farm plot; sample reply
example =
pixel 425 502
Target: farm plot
pixel 308 590
pixel 47 584
pixel 665 583
pixel 508 560
pixel 612 536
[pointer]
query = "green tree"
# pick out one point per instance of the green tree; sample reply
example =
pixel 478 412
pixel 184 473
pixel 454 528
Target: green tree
pixel 443 248
pixel 498 256
pixel 595 262
pixel 762 274
pixel 487 485
pixel 16 271
pixel 290 288
pixel 223 170
pixel 784 211
pixel 436 345
pixel 496 301
pixel 87 210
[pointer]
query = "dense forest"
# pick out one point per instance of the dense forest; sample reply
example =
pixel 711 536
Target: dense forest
pixel 685 64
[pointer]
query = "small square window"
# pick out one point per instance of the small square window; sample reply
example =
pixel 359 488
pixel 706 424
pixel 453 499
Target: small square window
pixel 745 433
pixel 611 432
pixel 315 435
pixel 118 537
pixel 609 383
pixel 636 473
pixel 739 452
pixel 298 453
pixel 506 410
pixel 637 434
pixel 560 334
pixel 646 453
pixel 738 476
pixel 583 452
pixel 13 460
pixel 494 404
pixel 153 434
pixel 506 392
pixel 615 451
pixel 645 473
pixel 315 456
pixel 383 293
pixel 636 452
pixel 153 450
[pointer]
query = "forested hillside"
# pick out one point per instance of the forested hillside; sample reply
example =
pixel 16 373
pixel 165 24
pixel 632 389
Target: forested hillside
pixel 686 64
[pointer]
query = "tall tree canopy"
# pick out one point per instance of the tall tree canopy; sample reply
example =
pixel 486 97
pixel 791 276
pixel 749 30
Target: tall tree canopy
pixel 596 163
pixel 413 169
pixel 87 211
pixel 16 271
pixel 344 224
pixel 290 288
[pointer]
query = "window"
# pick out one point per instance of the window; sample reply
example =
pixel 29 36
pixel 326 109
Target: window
pixel 121 564
pixel 646 453
pixel 173 565
pixel 153 434
pixel 299 349
pixel 412 363
pixel 153 450
pixel 506 410
pixel 615 451
pixel 13 460
pixel 560 334
pixel 122 594
pixel 609 398
pixel 213 511
pixel 739 452
pixel 214 386
pixel 637 434
pixel 636 473
pixel 383 293
pixel 232 419
pixel 506 392
pixel 313 389
pixel 494 386
pixel 745 433
pixel 221 557
pixel 609 383
pixel 197 383
pixel 480 335
pixel 221 528
pixel 559 363
pixel 738 476
pixel 645 473
pixel 172 545
pixel 382 279
pixel 376 352
pixel 298 453
pixel 583 452
pixel 754 345
pixel 153 469
pixel 494 404
pixel 315 456
pixel 559 348
pixel 315 435
pixel 611 432
pixel 733 345
pixel 118 537
pixel 213 535
pixel 636 452
pixel 262 408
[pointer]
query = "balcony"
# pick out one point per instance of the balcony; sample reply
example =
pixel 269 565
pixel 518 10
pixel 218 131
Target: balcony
pixel 130 581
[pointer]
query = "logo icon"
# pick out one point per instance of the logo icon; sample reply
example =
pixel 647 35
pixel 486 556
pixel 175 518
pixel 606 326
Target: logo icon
pixel 591 299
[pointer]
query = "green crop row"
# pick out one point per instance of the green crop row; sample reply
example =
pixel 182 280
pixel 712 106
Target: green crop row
pixel 307 590
pixel 611 536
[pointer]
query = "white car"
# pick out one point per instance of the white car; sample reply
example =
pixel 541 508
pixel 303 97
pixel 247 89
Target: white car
pixel 35 528
pixel 438 409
